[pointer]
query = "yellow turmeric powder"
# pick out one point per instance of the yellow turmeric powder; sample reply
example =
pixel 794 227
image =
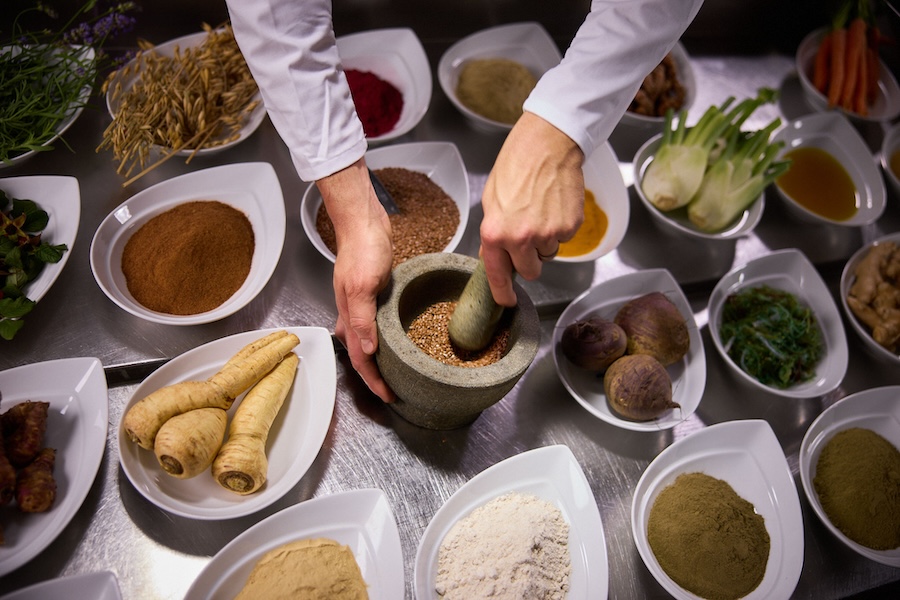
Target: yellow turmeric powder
pixel 591 231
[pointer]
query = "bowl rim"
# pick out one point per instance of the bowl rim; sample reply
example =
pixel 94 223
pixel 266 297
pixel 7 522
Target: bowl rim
pixel 890 144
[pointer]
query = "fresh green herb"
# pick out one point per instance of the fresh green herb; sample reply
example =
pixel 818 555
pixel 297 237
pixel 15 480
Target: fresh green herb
pixel 46 76
pixel 23 255
pixel 771 336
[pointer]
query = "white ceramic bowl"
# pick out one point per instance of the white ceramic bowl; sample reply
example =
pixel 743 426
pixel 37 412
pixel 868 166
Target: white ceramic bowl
pixel 250 187
pixel 877 409
pixel 746 455
pixel 636 125
pixel 890 145
pixel 604 300
pixel 527 43
pixel 294 441
pixel 887 103
pixel 603 178
pixel 848 278
pixel 71 115
pixel 677 220
pixel 167 49
pixel 551 473
pixel 442 163
pixel 834 134
pixel 791 271
pixel 397 56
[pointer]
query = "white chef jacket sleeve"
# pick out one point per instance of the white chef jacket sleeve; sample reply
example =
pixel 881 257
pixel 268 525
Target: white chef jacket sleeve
pixel 618 44
pixel 291 51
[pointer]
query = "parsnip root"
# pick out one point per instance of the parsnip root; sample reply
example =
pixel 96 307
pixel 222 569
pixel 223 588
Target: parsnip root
pixel 241 465
pixel 187 443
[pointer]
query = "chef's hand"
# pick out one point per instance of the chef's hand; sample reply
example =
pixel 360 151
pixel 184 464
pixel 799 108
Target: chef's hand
pixel 532 201
pixel 362 268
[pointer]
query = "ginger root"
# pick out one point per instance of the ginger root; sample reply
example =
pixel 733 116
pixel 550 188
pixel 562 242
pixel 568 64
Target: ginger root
pixel 874 296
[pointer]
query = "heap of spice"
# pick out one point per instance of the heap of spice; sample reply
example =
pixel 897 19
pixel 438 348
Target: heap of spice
pixel 378 103
pixel 427 221
pixel 514 547
pixel 495 88
pixel 430 332
pixel 189 259
pixel 858 484
pixel 592 229
pixel 707 538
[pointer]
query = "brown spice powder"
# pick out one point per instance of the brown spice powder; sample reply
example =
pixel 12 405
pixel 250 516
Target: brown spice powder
pixel 427 221
pixel 189 259
pixel 429 331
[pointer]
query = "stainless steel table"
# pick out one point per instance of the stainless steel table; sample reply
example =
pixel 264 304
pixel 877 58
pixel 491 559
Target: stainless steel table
pixel 157 555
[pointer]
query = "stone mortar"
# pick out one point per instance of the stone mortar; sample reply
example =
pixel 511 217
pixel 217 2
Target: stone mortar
pixel 430 393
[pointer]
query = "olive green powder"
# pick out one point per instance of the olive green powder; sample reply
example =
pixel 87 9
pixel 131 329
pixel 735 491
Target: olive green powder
pixel 707 538
pixel 495 88
pixel 858 483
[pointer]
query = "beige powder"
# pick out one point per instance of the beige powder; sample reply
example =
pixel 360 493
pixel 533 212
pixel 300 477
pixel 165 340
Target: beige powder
pixel 310 569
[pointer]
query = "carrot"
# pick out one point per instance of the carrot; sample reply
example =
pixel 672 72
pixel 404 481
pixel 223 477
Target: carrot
pixel 242 465
pixel 838 58
pixel 187 443
pixel 855 56
pixel 822 64
pixel 143 420
pixel 861 95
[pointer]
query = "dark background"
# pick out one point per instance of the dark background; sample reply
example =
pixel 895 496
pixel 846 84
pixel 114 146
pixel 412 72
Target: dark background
pixel 721 27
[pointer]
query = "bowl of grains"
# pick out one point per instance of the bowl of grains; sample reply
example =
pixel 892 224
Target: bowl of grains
pixel 429 184
pixel 488 74
pixel 195 248
pixel 438 385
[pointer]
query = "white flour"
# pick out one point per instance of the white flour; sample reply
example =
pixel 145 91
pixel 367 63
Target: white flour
pixel 515 547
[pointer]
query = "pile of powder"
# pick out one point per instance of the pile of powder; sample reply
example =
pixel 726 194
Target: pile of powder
pixel 514 547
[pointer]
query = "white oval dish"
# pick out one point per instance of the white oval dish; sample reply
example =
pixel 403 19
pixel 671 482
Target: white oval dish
pixel 397 56
pixel 527 43
pixel 101 585
pixel 788 270
pixel 603 178
pixel 60 196
pixel 877 409
pixel 360 519
pixel 71 116
pixel 550 473
pixel 847 279
pixel 76 428
pixel 834 134
pixel 889 145
pixel 294 441
pixel 746 455
pixel 440 161
pixel 605 300
pixel 167 49
pixel 887 102
pixel 677 220
pixel 252 188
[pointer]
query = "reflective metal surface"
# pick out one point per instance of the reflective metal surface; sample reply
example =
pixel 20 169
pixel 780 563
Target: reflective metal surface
pixel 157 555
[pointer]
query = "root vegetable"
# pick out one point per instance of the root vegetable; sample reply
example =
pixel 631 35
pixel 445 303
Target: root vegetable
pixel 241 465
pixel 654 326
pixel 187 443
pixel 593 343
pixel 24 426
pixel 147 415
pixel 638 387
pixel 36 487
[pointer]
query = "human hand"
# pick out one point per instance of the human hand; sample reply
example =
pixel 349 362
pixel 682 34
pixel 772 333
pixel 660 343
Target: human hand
pixel 362 267
pixel 532 201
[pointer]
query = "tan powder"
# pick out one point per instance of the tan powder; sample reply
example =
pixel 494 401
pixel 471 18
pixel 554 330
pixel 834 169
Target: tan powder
pixel 309 569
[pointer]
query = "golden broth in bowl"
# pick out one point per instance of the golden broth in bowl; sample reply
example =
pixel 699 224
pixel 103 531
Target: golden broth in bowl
pixel 817 181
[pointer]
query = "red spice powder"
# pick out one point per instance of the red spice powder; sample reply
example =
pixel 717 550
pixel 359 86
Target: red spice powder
pixel 378 102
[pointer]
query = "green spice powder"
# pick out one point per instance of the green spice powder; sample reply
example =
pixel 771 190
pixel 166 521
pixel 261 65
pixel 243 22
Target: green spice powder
pixel 707 538
pixel 858 483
